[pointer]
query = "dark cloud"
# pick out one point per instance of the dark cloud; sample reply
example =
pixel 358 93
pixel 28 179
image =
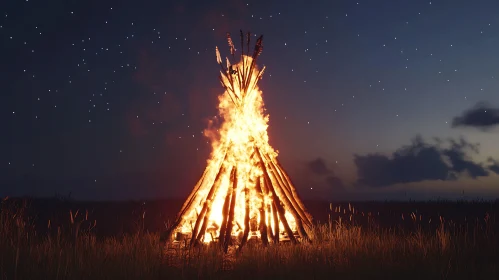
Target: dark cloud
pixel 494 165
pixel 335 183
pixel 318 167
pixel 460 161
pixel 482 116
pixel 418 162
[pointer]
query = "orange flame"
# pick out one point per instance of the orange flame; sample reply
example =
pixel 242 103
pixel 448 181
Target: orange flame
pixel 242 168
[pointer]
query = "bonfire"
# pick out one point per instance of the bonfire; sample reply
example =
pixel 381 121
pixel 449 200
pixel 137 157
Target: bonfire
pixel 244 193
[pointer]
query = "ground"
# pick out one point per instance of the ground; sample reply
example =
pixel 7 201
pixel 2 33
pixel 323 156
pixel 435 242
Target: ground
pixel 62 239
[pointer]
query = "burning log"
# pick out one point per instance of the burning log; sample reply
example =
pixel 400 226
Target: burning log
pixel 275 199
pixel 263 225
pixel 246 217
pixel 257 51
pixel 230 220
pixel 188 203
pixel 277 232
pixel 186 206
pixel 263 221
pixel 206 211
pixel 258 77
pixel 231 79
pixel 271 203
pixel 243 76
pixel 305 217
pixel 288 200
pixel 269 222
pixel 248 40
pixel 288 182
pixel 226 210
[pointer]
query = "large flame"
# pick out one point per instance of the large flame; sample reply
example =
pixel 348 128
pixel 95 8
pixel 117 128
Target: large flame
pixel 234 178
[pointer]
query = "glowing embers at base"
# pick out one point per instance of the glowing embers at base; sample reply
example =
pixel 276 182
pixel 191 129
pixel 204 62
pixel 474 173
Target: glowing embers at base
pixel 244 193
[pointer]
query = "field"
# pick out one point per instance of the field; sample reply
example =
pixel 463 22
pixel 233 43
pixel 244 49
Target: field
pixel 62 239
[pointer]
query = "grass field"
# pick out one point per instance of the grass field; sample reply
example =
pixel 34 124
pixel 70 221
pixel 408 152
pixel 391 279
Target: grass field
pixel 342 248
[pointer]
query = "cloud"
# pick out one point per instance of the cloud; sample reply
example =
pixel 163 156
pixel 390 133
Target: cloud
pixel 321 179
pixel 494 166
pixel 460 161
pixel 418 162
pixel 335 183
pixel 481 116
pixel 318 167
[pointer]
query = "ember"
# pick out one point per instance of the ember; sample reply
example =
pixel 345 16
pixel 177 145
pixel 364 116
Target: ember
pixel 244 192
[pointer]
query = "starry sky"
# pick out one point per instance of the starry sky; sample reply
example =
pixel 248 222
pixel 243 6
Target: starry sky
pixel 367 99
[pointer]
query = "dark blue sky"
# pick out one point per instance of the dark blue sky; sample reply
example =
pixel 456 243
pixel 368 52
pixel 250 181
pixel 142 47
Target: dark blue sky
pixel 367 99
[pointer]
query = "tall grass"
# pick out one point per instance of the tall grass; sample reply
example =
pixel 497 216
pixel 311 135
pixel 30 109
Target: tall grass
pixel 339 250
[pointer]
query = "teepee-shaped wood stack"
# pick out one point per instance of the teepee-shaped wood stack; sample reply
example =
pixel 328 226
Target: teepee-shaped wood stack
pixel 244 192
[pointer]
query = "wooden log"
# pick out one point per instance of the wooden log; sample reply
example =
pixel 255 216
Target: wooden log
pixel 246 217
pixel 293 190
pixel 192 196
pixel 225 211
pixel 295 200
pixel 258 77
pixel 229 89
pixel 277 203
pixel 205 204
pixel 290 187
pixel 276 169
pixel 247 67
pixel 258 48
pixel 188 204
pixel 280 190
pixel 269 221
pixel 263 225
pixel 274 233
pixel 288 181
pixel 242 58
pixel 248 80
pixel 206 210
pixel 288 200
pixel 228 233
pixel 232 93
pixel 231 80
pixel 256 52
pixel 222 83
pixel 199 220
pixel 248 39
pixel 241 35
pixel 240 83
pixel 277 232
pixel 230 85
pixel 224 70
pixel 230 77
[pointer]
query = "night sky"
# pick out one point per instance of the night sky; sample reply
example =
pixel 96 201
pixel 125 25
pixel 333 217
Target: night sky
pixel 367 99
